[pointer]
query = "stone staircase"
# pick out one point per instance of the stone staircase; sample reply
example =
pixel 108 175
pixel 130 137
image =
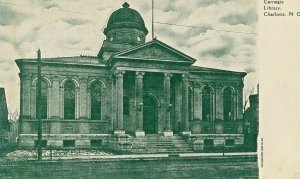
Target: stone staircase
pixel 154 143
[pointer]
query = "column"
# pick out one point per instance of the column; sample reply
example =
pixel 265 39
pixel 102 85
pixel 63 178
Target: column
pixel 113 102
pixel 32 102
pixel 239 102
pixel 55 126
pixel 55 98
pixel 219 103
pixel 26 96
pixel 197 103
pixel 139 103
pixel 49 102
pixel 178 105
pixel 77 107
pixel 88 104
pixel 234 107
pixel 61 102
pixel 167 105
pixel 214 105
pixel 119 90
pixel 185 104
pixel 83 97
pixel 82 103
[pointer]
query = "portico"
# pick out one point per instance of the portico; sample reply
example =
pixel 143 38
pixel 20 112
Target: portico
pixel 161 95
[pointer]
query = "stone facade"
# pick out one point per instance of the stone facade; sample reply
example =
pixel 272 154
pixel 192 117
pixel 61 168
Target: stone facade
pixel 142 88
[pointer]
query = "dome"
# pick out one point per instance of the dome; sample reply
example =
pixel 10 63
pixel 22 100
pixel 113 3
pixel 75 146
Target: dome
pixel 125 18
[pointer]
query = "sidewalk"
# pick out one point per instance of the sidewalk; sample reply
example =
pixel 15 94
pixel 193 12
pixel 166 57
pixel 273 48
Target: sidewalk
pixel 128 157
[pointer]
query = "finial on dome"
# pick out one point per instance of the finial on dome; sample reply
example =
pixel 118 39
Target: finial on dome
pixel 125 5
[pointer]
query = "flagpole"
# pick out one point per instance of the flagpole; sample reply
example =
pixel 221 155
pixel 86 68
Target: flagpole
pixel 152 19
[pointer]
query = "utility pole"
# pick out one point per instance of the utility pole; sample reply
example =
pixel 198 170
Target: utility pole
pixel 39 104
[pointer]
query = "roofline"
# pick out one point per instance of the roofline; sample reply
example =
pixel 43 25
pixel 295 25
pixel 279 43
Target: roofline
pixel 215 70
pixel 150 42
pixel 31 60
pixel 152 59
pixel 47 58
pixel 175 50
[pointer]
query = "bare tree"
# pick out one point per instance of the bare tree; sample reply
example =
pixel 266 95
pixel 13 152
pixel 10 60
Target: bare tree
pixel 13 115
pixel 247 94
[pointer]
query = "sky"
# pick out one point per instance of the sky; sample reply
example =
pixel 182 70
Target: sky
pixel 218 33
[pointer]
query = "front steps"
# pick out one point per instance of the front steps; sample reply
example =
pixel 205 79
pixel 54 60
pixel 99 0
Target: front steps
pixel 154 143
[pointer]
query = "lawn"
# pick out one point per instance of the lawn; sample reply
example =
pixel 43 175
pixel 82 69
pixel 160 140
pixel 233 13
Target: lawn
pixel 230 168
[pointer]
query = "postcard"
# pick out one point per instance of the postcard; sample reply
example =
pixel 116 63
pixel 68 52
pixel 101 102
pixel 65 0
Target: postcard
pixel 150 89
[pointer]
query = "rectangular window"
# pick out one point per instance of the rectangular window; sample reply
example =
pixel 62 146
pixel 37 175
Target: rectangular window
pixel 208 142
pixel 44 107
pixel 95 110
pixel 229 142
pixel 44 143
pixel 69 143
pixel 96 143
pixel 69 109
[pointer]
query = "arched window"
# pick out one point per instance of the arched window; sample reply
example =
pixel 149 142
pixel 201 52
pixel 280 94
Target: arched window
pixel 69 100
pixel 96 101
pixel 43 100
pixel 227 104
pixel 206 104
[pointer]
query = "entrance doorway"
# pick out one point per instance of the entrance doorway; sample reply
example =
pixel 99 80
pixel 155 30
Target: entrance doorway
pixel 150 115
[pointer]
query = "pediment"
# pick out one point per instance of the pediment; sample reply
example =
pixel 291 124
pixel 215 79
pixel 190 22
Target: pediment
pixel 155 50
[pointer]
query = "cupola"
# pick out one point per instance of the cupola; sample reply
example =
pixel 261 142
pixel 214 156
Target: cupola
pixel 125 28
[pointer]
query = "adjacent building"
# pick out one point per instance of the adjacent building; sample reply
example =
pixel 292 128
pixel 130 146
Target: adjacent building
pixel 132 87
pixel 4 124
pixel 251 118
